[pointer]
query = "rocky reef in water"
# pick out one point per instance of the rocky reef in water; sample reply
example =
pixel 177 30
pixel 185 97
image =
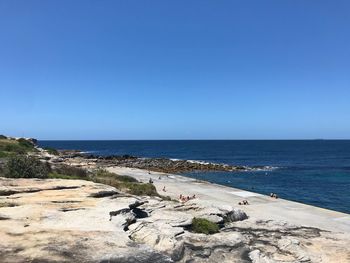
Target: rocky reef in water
pixel 153 164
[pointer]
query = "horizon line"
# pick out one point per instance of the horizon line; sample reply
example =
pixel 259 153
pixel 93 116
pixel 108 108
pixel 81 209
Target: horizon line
pixel 342 139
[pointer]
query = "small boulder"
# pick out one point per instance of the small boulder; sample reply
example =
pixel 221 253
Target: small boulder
pixel 236 215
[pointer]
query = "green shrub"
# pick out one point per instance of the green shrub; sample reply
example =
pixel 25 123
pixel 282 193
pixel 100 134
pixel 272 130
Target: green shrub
pixel 14 148
pixel 54 175
pixel 4 154
pixel 25 143
pixel 202 225
pixel 102 173
pixel 142 189
pixel 126 179
pixel 72 171
pixel 167 198
pixel 19 146
pixel 26 167
pixel 51 151
pixel 125 183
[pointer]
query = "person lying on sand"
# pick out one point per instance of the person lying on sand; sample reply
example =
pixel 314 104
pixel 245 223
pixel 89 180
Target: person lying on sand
pixel 244 202
pixel 164 189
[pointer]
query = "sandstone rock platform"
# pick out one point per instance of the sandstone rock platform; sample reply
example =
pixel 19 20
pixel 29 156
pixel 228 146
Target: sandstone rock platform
pixel 57 220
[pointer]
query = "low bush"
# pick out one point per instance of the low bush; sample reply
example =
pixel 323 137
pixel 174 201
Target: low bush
pixel 55 175
pixel 101 173
pixel 26 167
pixel 21 166
pixel 167 198
pixel 25 143
pixel 202 225
pixel 71 171
pixel 14 148
pixel 125 183
pixel 4 154
pixel 3 136
pixel 20 146
pixel 51 151
pixel 142 189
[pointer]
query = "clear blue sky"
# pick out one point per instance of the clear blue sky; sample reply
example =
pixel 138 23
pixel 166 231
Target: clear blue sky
pixel 175 69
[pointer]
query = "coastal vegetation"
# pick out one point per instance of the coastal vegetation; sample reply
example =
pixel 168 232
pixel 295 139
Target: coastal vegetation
pixel 122 182
pixel 204 226
pixel 20 165
pixel 23 166
pixel 125 183
pixel 51 151
pixel 69 172
pixel 10 147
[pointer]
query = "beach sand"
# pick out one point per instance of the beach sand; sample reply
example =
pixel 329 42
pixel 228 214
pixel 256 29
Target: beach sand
pixel 260 207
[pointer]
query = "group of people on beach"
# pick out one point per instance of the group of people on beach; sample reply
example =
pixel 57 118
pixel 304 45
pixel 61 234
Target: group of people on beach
pixel 244 202
pixel 151 182
pixel 184 199
pixel 273 195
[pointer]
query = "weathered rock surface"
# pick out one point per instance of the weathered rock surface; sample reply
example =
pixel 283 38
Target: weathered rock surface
pixel 61 221
pixel 80 221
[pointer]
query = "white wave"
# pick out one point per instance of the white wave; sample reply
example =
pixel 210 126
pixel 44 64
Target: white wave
pixel 88 151
pixel 199 162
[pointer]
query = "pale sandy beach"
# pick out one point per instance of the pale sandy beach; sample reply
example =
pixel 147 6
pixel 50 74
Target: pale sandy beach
pixel 260 206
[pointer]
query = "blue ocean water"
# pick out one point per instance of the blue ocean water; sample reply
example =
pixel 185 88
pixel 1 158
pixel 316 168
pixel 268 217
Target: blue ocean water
pixel 315 172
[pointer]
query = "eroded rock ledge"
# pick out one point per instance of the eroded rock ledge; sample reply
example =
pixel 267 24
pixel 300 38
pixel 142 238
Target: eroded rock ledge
pixel 80 221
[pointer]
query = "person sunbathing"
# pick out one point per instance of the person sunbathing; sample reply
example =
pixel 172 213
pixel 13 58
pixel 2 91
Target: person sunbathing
pixel 244 202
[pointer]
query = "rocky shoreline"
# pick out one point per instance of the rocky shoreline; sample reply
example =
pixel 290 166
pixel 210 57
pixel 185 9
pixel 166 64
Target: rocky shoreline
pixel 77 221
pixel 152 164
pixel 61 220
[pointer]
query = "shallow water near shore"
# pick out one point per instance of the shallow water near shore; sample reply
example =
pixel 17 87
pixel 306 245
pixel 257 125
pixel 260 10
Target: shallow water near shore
pixel 315 172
